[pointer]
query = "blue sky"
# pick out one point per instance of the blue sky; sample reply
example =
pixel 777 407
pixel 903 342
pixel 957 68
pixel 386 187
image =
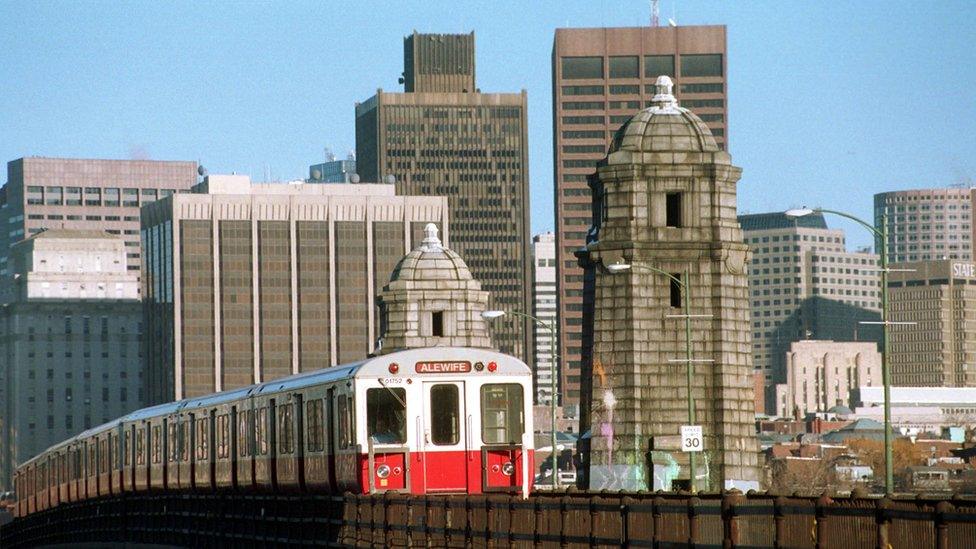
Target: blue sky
pixel 829 102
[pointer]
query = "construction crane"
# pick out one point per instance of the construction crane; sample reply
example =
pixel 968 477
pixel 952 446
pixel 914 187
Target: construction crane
pixel 655 14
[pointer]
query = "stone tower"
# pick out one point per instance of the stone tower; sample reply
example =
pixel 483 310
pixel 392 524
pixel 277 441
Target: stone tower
pixel 665 198
pixel 432 301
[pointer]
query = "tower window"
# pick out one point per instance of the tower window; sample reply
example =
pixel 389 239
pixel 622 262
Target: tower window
pixel 437 324
pixel 674 210
pixel 675 290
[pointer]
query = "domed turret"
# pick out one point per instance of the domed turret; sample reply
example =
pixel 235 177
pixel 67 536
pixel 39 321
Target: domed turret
pixel 431 262
pixel 432 301
pixel 662 128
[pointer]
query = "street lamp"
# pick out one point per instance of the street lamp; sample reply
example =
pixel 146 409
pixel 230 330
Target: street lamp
pixel 491 315
pixel 686 304
pixel 885 374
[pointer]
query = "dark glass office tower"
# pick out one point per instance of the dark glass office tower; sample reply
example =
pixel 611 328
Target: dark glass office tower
pixel 444 137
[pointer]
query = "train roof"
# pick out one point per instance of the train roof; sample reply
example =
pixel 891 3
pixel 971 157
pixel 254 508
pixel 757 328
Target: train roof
pixel 409 360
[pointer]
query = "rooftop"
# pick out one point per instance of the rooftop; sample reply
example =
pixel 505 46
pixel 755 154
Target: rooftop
pixel 779 220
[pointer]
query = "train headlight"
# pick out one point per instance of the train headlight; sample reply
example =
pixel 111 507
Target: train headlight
pixel 383 471
pixel 508 469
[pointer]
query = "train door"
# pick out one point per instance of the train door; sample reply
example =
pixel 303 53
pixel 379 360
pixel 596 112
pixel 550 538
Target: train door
pixel 503 422
pixel 445 440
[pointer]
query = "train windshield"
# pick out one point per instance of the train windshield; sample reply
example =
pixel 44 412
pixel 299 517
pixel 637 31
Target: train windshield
pixel 501 413
pixel 386 415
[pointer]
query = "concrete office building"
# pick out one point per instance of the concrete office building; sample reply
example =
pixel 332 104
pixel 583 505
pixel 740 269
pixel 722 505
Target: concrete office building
pixel 601 77
pixel 939 349
pixel 444 137
pixel 928 224
pixel 544 291
pixel 665 197
pixel 70 353
pixel 804 284
pixel 85 194
pixel 822 374
pixel 244 282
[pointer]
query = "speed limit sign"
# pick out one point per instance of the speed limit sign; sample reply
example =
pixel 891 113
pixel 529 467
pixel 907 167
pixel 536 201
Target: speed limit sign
pixel 691 438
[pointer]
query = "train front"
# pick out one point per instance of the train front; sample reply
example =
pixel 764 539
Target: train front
pixel 444 420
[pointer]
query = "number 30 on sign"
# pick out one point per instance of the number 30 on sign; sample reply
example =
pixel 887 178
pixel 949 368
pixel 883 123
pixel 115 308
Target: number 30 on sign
pixel 691 438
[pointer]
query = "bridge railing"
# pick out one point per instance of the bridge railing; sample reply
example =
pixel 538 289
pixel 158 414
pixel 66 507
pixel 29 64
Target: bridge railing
pixel 569 519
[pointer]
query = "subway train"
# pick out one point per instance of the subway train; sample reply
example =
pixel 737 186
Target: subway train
pixel 419 421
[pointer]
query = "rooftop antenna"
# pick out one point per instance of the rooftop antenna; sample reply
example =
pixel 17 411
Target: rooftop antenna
pixel 655 14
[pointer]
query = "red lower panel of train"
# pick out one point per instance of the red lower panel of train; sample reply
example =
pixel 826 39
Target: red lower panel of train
pixel 490 470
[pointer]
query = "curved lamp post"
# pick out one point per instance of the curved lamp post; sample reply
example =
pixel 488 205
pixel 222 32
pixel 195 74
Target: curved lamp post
pixel 882 234
pixel 686 304
pixel 491 315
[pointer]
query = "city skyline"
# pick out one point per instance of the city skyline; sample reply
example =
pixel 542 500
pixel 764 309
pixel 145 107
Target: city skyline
pixel 241 89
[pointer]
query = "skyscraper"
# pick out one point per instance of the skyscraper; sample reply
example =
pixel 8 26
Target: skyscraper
pixel 544 291
pixel 444 137
pixel 600 78
pixel 928 224
pixel 803 284
pixel 246 283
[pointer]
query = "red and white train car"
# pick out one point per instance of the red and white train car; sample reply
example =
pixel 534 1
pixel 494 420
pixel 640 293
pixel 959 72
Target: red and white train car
pixel 420 421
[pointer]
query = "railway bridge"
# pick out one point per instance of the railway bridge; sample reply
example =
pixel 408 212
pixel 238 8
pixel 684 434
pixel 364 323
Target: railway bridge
pixel 566 519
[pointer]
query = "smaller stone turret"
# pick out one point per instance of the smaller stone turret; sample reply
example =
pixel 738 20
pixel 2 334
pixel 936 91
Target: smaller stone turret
pixel 432 301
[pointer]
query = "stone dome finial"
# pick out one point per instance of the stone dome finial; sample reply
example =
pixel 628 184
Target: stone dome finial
pixel 431 242
pixel 664 96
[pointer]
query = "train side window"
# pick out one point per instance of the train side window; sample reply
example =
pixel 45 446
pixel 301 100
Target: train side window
pixel 345 421
pixel 445 415
pixel 313 419
pixel 173 442
pixel 140 447
pixel 261 431
pixel 127 449
pixel 203 450
pixel 156 450
pixel 386 415
pixel 243 441
pixel 501 413
pixel 223 430
pixel 183 429
pixel 103 455
pixel 286 429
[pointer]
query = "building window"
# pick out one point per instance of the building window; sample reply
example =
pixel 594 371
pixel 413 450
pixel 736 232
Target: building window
pixel 624 67
pixel 658 65
pixel 702 88
pixel 582 67
pixel 583 90
pixel 437 324
pixel 673 207
pixel 701 65
pixel 624 89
